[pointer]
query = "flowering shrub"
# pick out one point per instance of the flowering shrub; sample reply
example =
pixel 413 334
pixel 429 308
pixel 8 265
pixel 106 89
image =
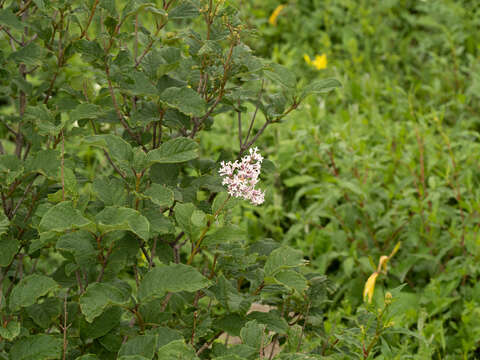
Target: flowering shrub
pixel 241 177
pixel 117 238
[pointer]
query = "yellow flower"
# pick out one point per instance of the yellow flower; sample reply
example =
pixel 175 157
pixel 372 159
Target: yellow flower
pixel 370 287
pixel 273 18
pixel 319 63
pixel 382 267
pixel 382 263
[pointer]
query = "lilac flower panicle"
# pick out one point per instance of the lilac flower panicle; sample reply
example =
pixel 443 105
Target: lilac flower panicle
pixel 241 177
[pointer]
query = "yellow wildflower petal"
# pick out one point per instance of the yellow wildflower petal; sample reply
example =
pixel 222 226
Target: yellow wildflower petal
pixel 383 263
pixel 320 62
pixel 370 287
pixel 307 59
pixel 273 18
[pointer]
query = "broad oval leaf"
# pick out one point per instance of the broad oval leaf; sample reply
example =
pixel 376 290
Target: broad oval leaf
pixel 320 87
pixel 29 289
pixel 281 75
pixel 62 217
pixel 37 347
pixel 171 278
pixel 160 195
pixel 185 100
pixel 100 295
pixel 121 218
pixel 174 151
pixel 283 258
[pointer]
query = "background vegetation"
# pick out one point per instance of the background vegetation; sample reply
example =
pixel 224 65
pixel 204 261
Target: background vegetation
pixel 118 239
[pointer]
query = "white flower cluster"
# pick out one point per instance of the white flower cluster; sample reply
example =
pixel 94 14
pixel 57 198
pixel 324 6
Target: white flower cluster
pixel 241 177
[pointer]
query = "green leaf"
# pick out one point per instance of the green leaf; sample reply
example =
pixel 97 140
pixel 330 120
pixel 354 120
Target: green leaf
pixel 109 5
pixel 143 345
pixel 30 55
pixel 174 151
pixel 299 180
pixel 281 75
pixel 222 202
pixel 85 111
pixel 185 100
pixel 185 9
pixel 91 51
pixel 230 323
pixel 29 289
pixel 100 295
pixel 44 119
pixel 170 278
pixel 9 19
pixel 134 7
pixel 294 338
pixel 283 258
pixel 141 85
pixel 190 219
pixel 166 174
pixel 102 324
pixel 225 235
pixel 159 223
pixel 87 357
pixel 11 331
pixel 320 87
pixel 160 195
pixel 62 217
pixel 121 218
pixel 168 58
pixel 79 245
pixel 10 168
pixel 292 280
pixel 8 249
pixel 252 334
pixel 45 313
pixel 272 319
pixel 176 350
pixel 117 148
pixel 110 190
pixel 46 162
pixel 37 347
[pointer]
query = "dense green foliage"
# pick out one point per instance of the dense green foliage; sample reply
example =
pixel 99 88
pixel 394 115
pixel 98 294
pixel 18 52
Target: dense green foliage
pixel 117 235
pixel 393 157
pixel 118 240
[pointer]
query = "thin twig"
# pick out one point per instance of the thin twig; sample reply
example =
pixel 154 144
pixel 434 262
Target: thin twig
pixel 206 345
pixel 79 282
pixel 114 166
pixel 239 115
pixel 65 326
pixel 23 196
pixel 303 326
pixel 254 116
pixel 117 109
pixel 105 262
pixel 165 301
pixel 12 37
pixel 92 12
pixel 62 167
pixel 149 45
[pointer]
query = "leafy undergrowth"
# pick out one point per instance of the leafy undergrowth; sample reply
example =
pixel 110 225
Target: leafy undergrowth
pixel 391 158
